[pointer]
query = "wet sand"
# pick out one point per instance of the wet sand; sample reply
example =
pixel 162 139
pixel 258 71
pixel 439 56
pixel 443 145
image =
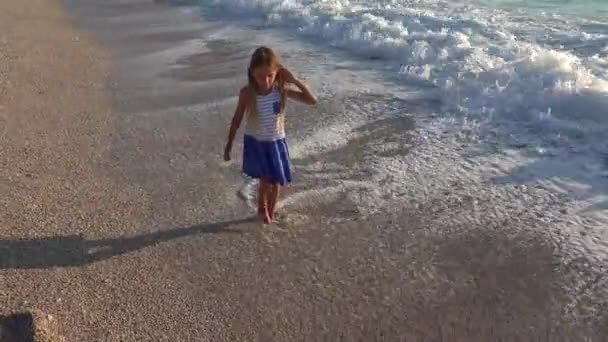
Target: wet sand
pixel 122 225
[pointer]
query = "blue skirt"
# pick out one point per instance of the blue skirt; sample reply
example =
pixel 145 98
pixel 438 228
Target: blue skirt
pixel 268 160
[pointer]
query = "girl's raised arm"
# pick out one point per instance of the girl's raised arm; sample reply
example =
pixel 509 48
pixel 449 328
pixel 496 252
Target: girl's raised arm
pixel 236 120
pixel 303 94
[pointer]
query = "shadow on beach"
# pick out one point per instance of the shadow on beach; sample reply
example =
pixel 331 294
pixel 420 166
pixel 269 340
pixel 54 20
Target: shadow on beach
pixel 74 250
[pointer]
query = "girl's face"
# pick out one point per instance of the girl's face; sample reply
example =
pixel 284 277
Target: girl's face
pixel 265 76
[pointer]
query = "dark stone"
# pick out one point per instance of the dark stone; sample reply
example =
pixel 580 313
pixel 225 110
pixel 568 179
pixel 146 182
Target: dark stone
pixel 17 327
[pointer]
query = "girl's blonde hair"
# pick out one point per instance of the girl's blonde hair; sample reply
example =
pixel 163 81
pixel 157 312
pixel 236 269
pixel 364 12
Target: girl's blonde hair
pixel 265 57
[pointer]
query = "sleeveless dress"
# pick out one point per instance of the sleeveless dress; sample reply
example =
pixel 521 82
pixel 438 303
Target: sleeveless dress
pixel 265 149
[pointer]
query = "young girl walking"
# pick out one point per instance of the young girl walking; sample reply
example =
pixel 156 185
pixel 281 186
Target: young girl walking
pixel 265 150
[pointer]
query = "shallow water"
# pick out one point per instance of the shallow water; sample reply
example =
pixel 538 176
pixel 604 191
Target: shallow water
pixel 589 8
pixel 509 105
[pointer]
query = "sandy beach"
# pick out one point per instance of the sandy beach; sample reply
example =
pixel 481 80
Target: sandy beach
pixel 119 222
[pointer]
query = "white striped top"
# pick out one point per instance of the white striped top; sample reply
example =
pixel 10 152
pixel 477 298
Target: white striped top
pixel 266 127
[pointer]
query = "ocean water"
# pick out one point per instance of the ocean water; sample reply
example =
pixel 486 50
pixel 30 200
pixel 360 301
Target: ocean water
pixel 537 62
pixel 505 95
pixel 590 8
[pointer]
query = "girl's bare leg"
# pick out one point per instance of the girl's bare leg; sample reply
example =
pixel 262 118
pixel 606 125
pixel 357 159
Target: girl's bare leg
pixel 273 198
pixel 263 196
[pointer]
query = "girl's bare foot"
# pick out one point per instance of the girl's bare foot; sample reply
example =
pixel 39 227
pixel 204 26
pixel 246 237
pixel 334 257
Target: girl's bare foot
pixel 275 215
pixel 264 216
pixel 278 216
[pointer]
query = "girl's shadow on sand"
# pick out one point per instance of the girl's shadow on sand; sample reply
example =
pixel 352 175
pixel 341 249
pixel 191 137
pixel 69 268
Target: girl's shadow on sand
pixel 74 250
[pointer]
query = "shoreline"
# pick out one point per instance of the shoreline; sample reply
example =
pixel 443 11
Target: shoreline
pixel 123 226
